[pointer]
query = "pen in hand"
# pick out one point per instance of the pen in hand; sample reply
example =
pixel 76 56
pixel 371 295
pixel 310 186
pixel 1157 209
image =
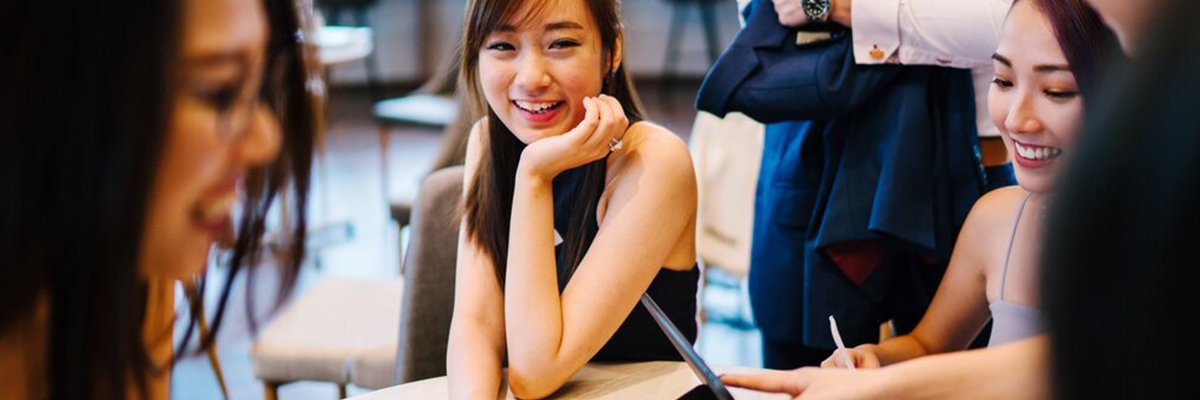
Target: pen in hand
pixel 841 347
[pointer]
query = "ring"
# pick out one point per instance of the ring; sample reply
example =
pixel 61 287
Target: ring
pixel 614 144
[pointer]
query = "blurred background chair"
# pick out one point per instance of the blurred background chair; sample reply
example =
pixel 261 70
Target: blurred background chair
pixel 333 10
pixel 428 301
pixel 434 105
pixel 319 335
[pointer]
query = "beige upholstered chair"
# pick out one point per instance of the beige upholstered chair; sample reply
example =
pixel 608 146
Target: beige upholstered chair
pixel 428 300
pixel 319 335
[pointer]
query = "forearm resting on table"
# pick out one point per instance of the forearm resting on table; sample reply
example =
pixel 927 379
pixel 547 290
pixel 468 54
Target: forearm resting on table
pixel 532 305
pixel 899 349
pixel 472 363
pixel 1015 371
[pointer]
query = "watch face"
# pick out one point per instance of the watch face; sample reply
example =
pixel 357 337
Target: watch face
pixel 815 7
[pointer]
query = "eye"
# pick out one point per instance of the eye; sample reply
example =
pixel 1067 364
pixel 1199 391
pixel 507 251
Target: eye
pixel 221 98
pixel 564 44
pixel 1002 83
pixel 1061 95
pixel 500 46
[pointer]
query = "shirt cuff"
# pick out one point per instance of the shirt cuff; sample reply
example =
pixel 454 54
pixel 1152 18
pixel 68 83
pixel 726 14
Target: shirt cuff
pixel 876 29
pixel 910 55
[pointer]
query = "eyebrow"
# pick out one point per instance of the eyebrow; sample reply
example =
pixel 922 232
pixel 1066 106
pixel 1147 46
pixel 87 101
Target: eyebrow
pixel 1042 69
pixel 553 26
pixel 1002 59
pixel 215 59
pixel 1052 68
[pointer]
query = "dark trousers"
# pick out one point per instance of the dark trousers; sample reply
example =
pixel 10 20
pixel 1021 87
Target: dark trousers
pixel 791 354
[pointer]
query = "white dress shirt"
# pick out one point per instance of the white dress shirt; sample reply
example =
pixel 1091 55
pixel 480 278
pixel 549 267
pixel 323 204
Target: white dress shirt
pixel 949 33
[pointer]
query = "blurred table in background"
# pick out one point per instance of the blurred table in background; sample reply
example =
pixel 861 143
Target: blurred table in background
pixel 341 45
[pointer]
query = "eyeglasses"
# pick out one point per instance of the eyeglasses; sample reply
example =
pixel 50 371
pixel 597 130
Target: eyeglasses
pixel 237 105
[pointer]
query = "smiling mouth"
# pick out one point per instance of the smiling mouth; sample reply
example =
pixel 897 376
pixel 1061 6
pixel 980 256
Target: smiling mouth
pixel 537 107
pixel 1036 153
pixel 213 212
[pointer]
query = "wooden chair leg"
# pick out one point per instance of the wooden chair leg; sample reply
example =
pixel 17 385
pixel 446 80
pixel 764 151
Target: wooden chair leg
pixel 384 174
pixel 270 390
pixel 342 391
pixel 212 357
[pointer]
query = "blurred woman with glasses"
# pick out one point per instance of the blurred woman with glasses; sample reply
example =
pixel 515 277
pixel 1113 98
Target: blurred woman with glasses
pixel 131 130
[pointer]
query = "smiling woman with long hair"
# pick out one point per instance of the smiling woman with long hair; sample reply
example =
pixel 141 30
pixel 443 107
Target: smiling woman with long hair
pixel 130 130
pixel 574 206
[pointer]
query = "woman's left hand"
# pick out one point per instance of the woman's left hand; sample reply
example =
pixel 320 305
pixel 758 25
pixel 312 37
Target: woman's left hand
pixel 813 383
pixel 604 123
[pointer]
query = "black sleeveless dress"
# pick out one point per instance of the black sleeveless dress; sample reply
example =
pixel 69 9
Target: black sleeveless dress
pixel 639 338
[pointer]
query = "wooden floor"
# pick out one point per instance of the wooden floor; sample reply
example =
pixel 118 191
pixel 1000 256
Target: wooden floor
pixel 348 191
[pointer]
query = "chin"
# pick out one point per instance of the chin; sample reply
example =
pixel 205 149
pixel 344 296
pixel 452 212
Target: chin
pixel 181 265
pixel 529 135
pixel 1039 180
pixel 1035 184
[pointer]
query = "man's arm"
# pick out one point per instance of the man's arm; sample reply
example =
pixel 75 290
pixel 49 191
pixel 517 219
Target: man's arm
pixel 951 33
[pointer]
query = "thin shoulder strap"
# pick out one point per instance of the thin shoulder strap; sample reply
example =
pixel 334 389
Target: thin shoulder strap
pixel 1011 238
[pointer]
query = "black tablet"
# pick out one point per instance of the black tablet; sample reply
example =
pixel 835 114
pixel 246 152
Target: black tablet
pixel 712 387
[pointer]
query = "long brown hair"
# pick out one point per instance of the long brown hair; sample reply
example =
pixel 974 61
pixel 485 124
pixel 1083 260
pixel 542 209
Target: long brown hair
pixel 83 122
pixel 489 198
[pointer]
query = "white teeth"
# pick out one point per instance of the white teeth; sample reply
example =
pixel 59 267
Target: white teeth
pixel 1040 153
pixel 535 107
pixel 216 210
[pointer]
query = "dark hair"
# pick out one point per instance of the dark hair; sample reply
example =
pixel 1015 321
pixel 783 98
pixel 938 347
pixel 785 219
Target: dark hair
pixel 1085 41
pixel 1120 276
pixel 489 198
pixel 86 110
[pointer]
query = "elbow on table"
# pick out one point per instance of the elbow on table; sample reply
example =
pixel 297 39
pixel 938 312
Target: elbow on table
pixel 533 383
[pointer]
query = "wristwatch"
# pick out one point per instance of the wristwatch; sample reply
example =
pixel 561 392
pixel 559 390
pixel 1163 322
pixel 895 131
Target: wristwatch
pixel 816 10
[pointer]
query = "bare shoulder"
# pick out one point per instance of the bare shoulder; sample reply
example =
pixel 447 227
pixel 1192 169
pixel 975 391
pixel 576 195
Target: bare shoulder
pixel 998 208
pixel 654 164
pixel 657 150
pixel 990 222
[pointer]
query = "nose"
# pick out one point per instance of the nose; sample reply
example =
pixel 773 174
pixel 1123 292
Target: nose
pixel 1021 115
pixel 531 73
pixel 261 143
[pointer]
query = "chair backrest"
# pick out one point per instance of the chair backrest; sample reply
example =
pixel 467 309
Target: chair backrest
pixel 428 299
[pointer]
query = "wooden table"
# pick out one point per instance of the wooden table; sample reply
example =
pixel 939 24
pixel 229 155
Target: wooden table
pixel 659 380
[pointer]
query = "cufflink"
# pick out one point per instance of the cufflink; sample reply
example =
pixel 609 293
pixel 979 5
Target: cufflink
pixel 876 52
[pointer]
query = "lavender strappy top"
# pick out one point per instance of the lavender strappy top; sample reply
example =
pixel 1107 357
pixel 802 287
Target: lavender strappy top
pixel 1012 321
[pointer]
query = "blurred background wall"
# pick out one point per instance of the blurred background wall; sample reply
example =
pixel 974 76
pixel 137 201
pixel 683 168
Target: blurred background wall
pixel 399 39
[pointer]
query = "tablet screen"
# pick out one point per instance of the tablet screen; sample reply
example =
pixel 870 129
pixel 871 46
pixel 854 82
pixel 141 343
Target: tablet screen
pixel 711 384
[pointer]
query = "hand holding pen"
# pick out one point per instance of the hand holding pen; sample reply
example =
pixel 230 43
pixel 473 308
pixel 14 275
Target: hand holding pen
pixel 858 357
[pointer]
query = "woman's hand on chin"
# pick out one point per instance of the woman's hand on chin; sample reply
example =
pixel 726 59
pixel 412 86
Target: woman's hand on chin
pixel 604 123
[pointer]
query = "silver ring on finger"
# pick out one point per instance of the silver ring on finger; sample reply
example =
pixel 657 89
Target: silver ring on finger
pixel 614 144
